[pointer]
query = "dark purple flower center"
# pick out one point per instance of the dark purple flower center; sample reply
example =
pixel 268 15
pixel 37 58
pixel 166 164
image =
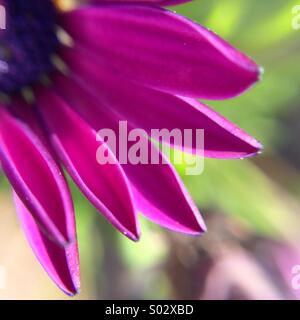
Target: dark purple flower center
pixel 27 44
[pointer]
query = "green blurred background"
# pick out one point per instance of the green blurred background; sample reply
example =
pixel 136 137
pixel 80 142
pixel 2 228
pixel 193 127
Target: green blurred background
pixel 252 207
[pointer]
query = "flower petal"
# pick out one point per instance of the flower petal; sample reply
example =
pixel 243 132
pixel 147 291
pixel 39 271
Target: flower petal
pixel 146 2
pixel 158 191
pixel 162 50
pixel 62 264
pixel 36 177
pixel 151 109
pixel 75 142
pixel 162 197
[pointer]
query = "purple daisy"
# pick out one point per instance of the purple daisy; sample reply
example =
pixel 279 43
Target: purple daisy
pixel 113 61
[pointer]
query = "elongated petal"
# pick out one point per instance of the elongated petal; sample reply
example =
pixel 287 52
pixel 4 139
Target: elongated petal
pixel 151 109
pixel 163 50
pixel 158 191
pixel 62 264
pixel 161 196
pixel 75 142
pixel 146 2
pixel 36 178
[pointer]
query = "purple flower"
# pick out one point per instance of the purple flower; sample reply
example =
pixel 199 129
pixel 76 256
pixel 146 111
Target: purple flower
pixel 126 61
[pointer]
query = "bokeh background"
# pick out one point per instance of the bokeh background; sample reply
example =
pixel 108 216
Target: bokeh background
pixel 252 207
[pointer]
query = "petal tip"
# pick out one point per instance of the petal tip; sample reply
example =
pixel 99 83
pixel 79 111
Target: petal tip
pixel 259 148
pixel 261 72
pixel 201 227
pixel 258 73
pixel 134 236
pixel 72 294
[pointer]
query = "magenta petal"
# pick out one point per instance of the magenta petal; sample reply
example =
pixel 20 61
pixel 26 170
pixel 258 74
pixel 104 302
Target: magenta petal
pixel 151 109
pixel 36 178
pixel 158 191
pixel 161 196
pixel 162 50
pixel 146 2
pixel 75 142
pixel 62 264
